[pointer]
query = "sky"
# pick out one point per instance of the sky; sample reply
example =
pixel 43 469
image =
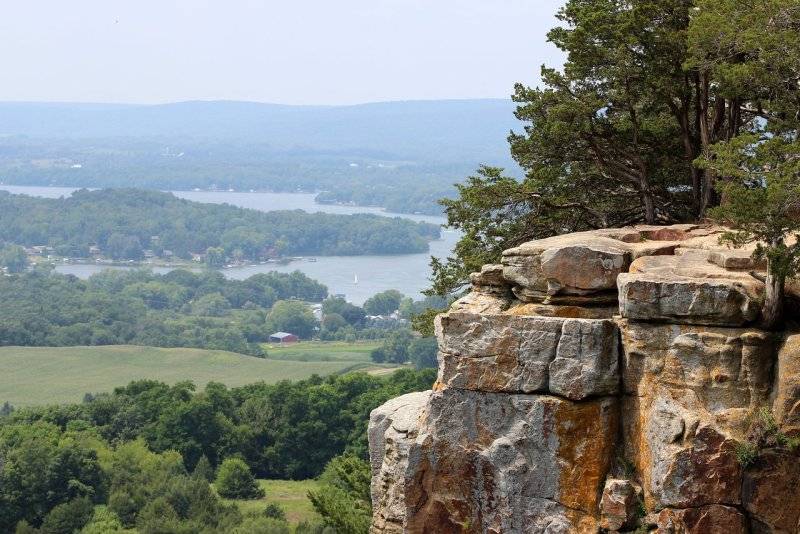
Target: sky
pixel 289 52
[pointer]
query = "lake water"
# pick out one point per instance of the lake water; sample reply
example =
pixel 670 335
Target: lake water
pixel 408 273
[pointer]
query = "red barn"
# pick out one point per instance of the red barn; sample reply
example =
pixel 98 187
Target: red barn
pixel 283 338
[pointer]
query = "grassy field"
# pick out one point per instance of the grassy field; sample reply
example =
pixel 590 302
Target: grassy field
pixel 322 351
pixel 40 375
pixel 291 495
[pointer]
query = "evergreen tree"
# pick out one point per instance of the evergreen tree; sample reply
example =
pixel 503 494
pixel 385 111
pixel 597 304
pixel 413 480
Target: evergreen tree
pixel 204 469
pixel 762 205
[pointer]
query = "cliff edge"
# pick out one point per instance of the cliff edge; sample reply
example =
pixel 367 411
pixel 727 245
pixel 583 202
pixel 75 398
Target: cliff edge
pixel 604 381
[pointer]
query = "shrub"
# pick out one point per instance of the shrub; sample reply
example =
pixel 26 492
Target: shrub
pixel 274 511
pixel 235 481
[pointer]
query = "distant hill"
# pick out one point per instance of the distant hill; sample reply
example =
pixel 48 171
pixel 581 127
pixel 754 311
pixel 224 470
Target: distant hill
pixel 402 156
pixel 436 130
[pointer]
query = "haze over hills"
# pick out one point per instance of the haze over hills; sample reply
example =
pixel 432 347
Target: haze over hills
pixel 402 156
pixel 437 130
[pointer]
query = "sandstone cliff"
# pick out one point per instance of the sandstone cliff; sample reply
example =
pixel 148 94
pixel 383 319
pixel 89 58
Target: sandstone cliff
pixel 602 381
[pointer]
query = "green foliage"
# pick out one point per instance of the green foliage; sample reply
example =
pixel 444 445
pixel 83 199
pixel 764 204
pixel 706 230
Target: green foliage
pixel 235 481
pixel 215 257
pixel 56 459
pixel 41 471
pixel 274 511
pixel 122 222
pixel 746 454
pixel 68 517
pixel 647 88
pixel 178 309
pixel 395 348
pixel 13 258
pixel 344 499
pixel 204 469
pixel 211 305
pixel 305 527
pixel 157 517
pixel 333 322
pixel 104 521
pixel 262 525
pixel 761 202
pixel 422 352
pixel 762 196
pixel 764 433
pixel 351 313
pixel 23 527
pixel 291 316
pixel 383 303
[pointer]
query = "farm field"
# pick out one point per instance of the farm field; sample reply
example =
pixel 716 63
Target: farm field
pixel 45 375
pixel 291 495
pixel 322 351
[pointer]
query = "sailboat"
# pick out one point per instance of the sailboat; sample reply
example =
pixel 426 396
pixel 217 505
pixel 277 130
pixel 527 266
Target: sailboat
pixel 355 279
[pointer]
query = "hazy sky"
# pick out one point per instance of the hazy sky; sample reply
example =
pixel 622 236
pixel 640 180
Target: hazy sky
pixel 291 51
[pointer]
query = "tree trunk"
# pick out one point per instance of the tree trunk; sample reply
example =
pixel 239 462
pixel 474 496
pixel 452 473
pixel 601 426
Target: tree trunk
pixel 649 206
pixel 772 312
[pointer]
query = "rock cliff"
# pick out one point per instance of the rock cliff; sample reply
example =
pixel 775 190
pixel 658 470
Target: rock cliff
pixel 603 381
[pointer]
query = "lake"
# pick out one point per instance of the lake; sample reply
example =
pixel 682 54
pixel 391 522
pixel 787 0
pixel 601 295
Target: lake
pixel 408 273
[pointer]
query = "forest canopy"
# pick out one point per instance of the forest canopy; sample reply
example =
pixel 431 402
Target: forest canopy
pixel 125 222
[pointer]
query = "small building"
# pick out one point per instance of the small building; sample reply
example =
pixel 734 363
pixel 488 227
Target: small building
pixel 283 338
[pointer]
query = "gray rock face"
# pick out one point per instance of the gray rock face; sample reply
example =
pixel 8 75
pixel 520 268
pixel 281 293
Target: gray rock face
pixel 575 358
pixel 586 362
pixel 685 289
pixel 491 462
pixel 393 429
pixel 545 269
pixel 691 393
pixel 553 415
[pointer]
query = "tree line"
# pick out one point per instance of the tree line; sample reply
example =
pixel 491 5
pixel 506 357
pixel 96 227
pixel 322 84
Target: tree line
pixel 177 309
pixel 123 223
pixel 142 456
pixel 201 310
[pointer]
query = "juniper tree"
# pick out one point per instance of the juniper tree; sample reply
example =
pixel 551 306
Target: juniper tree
pixel 762 205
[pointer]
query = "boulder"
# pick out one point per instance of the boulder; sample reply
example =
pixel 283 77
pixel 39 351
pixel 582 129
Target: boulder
pixel 496 352
pixel 582 268
pixel 786 404
pixel 587 360
pixel 494 462
pixel 619 505
pixel 771 491
pixel 506 352
pixel 687 290
pixel 713 519
pixel 548 405
pixel 565 268
pixel 490 280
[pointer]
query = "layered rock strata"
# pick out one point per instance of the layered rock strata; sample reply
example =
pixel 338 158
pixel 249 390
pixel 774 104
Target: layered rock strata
pixel 600 381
